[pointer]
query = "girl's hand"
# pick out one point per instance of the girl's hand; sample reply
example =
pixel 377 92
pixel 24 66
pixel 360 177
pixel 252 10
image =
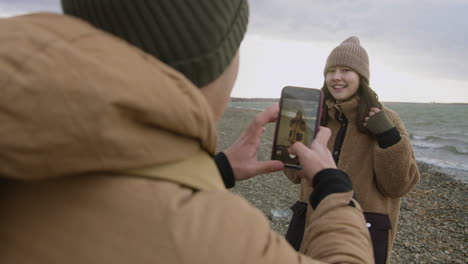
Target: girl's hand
pixel 378 122
pixel 373 111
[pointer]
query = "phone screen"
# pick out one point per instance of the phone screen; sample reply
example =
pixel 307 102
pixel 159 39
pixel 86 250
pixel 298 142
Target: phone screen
pixel 298 120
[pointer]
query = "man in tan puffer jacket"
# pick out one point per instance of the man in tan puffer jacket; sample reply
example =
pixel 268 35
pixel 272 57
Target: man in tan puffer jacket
pixel 107 143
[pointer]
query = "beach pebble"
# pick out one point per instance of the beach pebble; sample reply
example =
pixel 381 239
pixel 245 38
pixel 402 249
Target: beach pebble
pixel 281 213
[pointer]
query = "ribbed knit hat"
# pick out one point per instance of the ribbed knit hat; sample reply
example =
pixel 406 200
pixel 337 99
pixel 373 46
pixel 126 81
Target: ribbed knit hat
pixel 197 38
pixel 351 54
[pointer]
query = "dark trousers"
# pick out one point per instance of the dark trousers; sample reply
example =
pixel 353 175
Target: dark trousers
pixel 296 227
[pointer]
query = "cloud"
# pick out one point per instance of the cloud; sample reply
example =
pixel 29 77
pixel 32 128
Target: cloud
pixel 17 7
pixel 426 36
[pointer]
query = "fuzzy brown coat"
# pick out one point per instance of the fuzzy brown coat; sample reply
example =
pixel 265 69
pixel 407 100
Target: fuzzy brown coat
pixel 105 157
pixel 380 176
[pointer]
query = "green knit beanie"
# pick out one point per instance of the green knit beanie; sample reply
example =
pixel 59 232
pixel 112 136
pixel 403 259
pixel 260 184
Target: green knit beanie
pixel 351 54
pixel 197 38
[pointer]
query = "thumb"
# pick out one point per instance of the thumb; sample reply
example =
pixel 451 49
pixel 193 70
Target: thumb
pixel 323 135
pixel 268 166
pixel 298 149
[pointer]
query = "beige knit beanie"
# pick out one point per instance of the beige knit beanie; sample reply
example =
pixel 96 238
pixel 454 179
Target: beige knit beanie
pixel 351 54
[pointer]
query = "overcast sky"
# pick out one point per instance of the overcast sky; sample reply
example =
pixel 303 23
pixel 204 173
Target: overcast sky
pixel 417 48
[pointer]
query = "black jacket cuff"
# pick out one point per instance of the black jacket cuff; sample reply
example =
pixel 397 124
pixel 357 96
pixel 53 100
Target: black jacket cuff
pixel 327 182
pixel 388 138
pixel 225 169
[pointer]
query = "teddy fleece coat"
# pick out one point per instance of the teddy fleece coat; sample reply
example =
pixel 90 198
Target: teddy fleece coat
pixel 380 176
pixel 105 157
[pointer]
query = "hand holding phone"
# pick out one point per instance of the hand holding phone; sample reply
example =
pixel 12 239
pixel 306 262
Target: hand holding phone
pixel 242 154
pixel 298 121
pixel 315 157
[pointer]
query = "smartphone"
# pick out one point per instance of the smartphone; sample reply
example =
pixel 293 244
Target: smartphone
pixel 298 120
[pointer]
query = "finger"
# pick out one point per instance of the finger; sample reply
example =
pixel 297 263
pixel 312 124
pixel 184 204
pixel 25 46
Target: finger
pixel 268 115
pixel 365 124
pixel 375 109
pixel 367 118
pixel 273 111
pixel 323 135
pixel 268 166
pixel 256 135
pixel 255 129
pixel 298 149
pixel 371 113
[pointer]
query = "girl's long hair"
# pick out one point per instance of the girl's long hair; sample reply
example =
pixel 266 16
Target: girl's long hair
pixel 368 99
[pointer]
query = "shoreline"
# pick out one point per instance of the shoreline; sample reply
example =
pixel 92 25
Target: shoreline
pixel 433 217
pixel 451 172
pixel 440 171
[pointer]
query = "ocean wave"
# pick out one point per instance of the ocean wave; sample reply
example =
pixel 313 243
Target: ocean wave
pixel 457 150
pixel 422 123
pixel 435 138
pixel 444 164
pixel 455 172
pixel 246 108
pixel 452 138
pixel 425 144
pixel 416 137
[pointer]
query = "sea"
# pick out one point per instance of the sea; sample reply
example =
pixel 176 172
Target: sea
pixel 438 132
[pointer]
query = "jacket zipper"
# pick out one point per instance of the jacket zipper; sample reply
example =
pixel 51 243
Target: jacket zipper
pixel 340 135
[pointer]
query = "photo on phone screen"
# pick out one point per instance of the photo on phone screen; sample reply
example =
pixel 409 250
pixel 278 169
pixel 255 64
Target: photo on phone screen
pixel 298 120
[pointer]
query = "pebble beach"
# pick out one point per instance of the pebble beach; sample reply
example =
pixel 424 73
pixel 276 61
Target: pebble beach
pixel 433 217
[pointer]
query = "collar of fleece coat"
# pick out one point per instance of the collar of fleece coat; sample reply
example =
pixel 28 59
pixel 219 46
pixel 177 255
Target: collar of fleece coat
pixel 76 100
pixel 348 108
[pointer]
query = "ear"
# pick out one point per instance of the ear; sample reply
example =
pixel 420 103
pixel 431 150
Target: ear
pixel 218 92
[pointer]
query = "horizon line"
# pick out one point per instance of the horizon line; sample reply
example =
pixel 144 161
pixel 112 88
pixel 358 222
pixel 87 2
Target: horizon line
pixel 407 102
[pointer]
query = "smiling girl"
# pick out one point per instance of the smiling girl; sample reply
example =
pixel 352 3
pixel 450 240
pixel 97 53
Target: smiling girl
pixel 369 142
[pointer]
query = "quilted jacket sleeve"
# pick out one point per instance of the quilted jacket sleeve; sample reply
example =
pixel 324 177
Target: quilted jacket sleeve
pixel 240 233
pixel 337 232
